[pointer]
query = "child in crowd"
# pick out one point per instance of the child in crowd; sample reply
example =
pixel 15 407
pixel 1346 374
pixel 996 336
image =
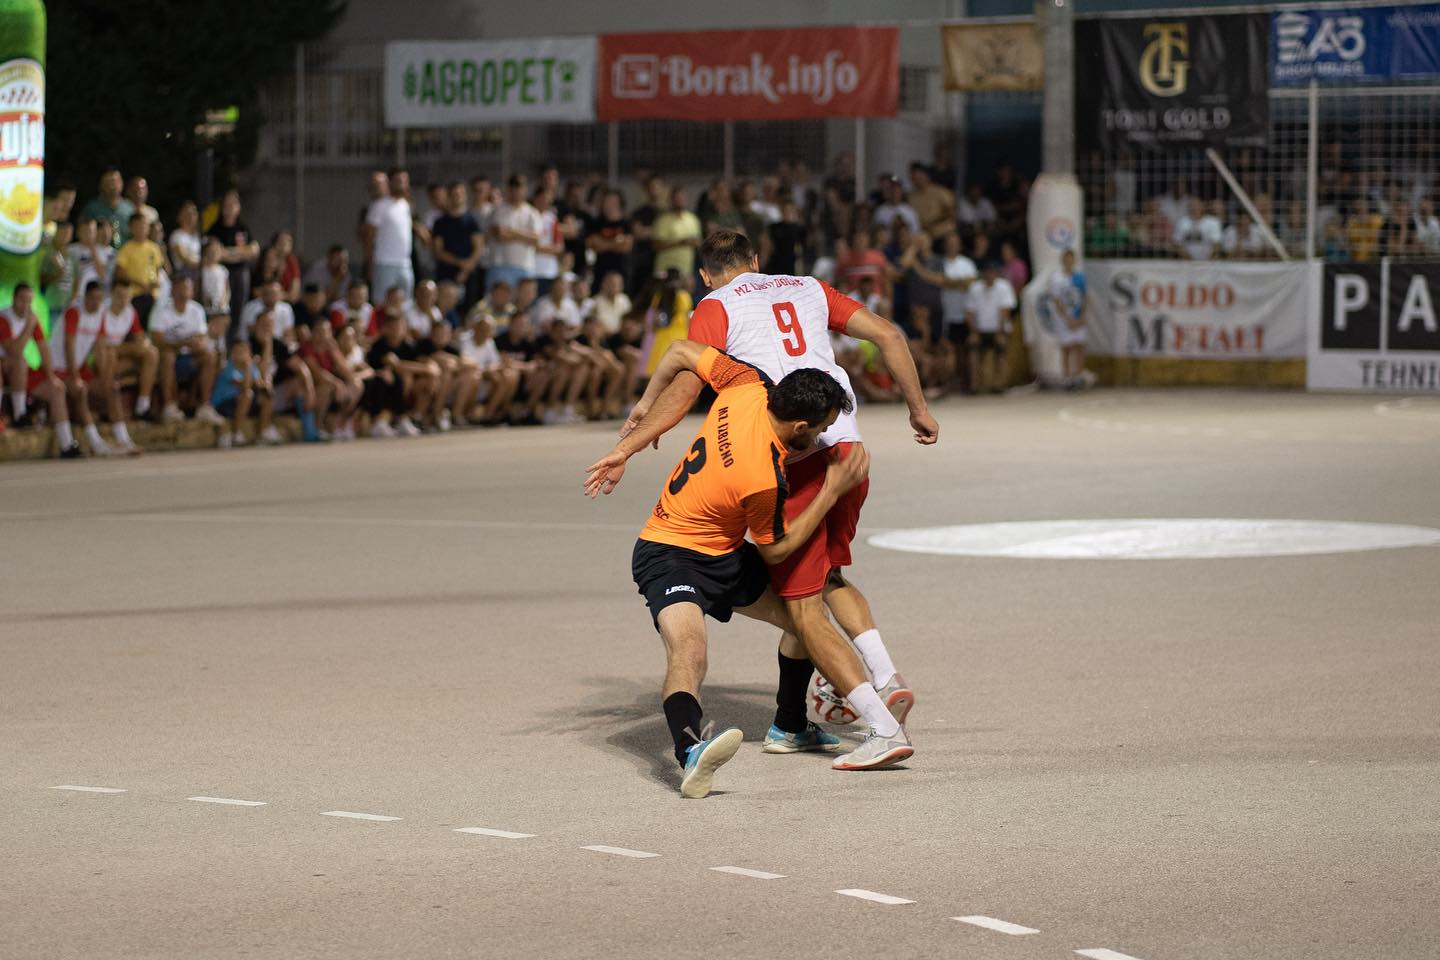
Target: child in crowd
pixel 234 393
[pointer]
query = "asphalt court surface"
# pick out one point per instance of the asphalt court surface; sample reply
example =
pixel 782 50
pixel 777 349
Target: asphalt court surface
pixel 1228 758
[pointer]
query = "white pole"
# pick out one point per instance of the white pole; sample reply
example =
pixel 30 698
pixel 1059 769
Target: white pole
pixel 859 159
pixel 1260 222
pixel 729 151
pixel 300 136
pixel 1312 170
pixel 613 166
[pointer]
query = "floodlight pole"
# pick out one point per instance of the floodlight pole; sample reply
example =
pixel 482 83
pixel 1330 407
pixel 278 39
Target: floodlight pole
pixel 1057 20
pixel 300 136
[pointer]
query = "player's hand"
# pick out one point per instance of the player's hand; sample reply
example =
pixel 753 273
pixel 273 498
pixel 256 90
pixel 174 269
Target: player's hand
pixel 637 413
pixel 604 475
pixel 848 471
pixel 927 431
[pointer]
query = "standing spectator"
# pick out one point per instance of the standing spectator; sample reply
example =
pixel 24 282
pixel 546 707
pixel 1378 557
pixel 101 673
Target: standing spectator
pixel 1362 231
pixel 1012 267
pixel 990 302
pixel 388 236
pixel 894 206
pixel 241 250
pixel 787 240
pixel 642 222
pixel 862 261
pixel 185 241
pixel 214 287
pixel 1427 228
pixel 482 199
pixel 331 274
pixel 676 237
pixel 767 205
pixel 137 191
pixel 181 331
pixel 90 258
pixel 459 243
pixel 282 315
pixel 1064 307
pixel 283 243
pixel 612 305
pixel 1197 234
pixel 1008 194
pixel 922 267
pixel 932 203
pixel 19 327
pixel 942 167
pixel 551 248
pixel 515 230
pixel 719 211
pixel 612 239
pixel 575 221
pixel 141 262
pixel 836 216
pixel 57 271
pixel 437 202
pixel 1242 241
pixel 111 206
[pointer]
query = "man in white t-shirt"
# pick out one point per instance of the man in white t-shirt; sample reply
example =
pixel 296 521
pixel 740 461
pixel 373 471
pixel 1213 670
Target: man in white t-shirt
pixel 181 330
pixel 71 347
pixel 388 235
pixel 895 208
pixel 268 301
pixel 422 312
pixel 1197 233
pixel 991 301
pixel 1242 240
pixel 515 228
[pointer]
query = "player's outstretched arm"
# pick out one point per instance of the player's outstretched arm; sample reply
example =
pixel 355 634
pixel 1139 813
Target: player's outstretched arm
pixel 895 351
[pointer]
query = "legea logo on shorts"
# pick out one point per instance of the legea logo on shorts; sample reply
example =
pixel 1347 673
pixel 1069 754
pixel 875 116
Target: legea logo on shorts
pixel 684 588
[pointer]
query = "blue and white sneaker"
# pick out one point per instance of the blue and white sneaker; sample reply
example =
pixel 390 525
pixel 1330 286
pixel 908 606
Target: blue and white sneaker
pixel 704 758
pixel 812 740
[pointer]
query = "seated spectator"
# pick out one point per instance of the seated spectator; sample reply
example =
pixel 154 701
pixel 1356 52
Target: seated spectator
pixel 975 212
pixel 518 345
pixel 1197 234
pixel 627 346
pixel 1242 240
pixel 403 385
pixel 1334 244
pixel 214 287
pixel 1362 232
pixel 185 241
pixel 718 209
pixel 354 312
pixel 137 191
pixel 861 261
pixel 580 293
pixel 269 301
pixel 608 391
pixel 334 378
pixel 612 305
pixel 498 379
pixel 422 312
pixel 310 308
pixel 57 272
pixel 1175 204
pixel 1427 229
pixel 141 261
pixel 1014 269
pixel 497 307
pixel 570 372
pixel 128 348
pixel 283 243
pixel 990 302
pixel 557 305
pixel 72 358
pixel 286 378
pixel 331 274
pixel 527 292
pixel 1396 239
pixel 19 327
pixel 237 392
pixel 110 206
pixel 182 334
pixel 1107 236
pixel 447 300
pixel 667 318
pixel 459 380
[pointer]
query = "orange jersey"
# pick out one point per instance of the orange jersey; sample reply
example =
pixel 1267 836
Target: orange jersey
pixel 732 479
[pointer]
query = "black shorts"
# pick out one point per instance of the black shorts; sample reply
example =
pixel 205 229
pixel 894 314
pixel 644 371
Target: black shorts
pixel 667 575
pixel 958 333
pixel 990 343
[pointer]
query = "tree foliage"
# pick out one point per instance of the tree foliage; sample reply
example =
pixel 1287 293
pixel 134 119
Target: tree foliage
pixel 128 82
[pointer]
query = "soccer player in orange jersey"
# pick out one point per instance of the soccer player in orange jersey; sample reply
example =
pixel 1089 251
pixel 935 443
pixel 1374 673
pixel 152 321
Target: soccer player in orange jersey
pixel 692 558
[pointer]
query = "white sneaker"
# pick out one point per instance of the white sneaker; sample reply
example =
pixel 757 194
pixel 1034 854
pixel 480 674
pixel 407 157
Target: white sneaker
pixel 444 423
pixel 381 430
pixel 570 416
pixel 226 441
pixel 103 449
pixel 208 414
pixel 172 414
pixel 405 427
pixel 346 433
pixel 131 449
pixel 270 437
pixel 550 418
pixel 237 439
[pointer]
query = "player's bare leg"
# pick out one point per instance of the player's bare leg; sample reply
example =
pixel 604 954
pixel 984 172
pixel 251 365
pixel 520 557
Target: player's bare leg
pixel 682 628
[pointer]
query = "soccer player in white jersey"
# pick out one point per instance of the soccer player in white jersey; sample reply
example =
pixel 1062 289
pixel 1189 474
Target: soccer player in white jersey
pixel 71 357
pixel 20 327
pixel 780 324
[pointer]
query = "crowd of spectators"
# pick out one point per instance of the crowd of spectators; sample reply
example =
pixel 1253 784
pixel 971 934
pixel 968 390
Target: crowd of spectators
pixel 524 302
pixel 1361 215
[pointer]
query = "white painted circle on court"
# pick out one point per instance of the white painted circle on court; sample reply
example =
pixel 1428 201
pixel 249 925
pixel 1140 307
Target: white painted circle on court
pixel 1154 539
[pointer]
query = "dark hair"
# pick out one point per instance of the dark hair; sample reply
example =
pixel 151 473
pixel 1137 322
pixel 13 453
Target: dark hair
pixel 516 180
pixel 335 248
pixel 310 288
pixel 810 395
pixel 94 285
pixel 22 287
pixel 358 283
pixel 725 250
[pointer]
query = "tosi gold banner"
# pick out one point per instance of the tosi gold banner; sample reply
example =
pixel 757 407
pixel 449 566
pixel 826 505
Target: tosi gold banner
pixel 1007 56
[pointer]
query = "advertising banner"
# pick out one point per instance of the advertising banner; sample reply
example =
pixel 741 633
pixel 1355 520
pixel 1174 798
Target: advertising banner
pixel 1212 310
pixel 471 83
pixel 750 74
pixel 1379 329
pixel 1355 44
pixel 1007 56
pixel 1173 82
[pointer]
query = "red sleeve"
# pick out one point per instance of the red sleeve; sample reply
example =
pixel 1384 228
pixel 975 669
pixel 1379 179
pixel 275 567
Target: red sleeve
pixel 40 334
pixel 5 332
pixel 372 329
pixel 135 324
pixel 337 318
pixel 72 321
pixel 710 324
pixel 841 307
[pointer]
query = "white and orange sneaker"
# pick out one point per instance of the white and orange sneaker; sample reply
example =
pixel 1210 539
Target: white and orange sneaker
pixel 876 751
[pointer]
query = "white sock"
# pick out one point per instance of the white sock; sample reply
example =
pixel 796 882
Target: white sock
pixel 121 432
pixel 93 435
pixel 142 406
pixel 17 403
pixel 62 430
pixel 871 708
pixel 876 657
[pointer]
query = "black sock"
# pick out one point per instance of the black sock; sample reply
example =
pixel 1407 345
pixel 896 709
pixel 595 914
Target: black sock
pixel 682 711
pixel 790 694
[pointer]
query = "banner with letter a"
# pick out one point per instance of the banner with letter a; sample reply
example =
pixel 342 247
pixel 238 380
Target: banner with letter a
pixel 1379 328
pixel 1211 310
pixel 473 82
pixel 1165 83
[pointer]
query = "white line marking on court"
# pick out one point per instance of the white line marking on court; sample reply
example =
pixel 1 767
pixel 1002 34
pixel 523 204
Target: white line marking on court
pixel 743 872
pixel 621 852
pixel 1100 953
pixel 357 816
pixel 1003 926
pixel 89 789
pixel 884 898
pixel 502 834
pixel 228 802
pixel 429 523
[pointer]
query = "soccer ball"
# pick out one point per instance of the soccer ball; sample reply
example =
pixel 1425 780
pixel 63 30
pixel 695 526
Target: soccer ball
pixel 824 705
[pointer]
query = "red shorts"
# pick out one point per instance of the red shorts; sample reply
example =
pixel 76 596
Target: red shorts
pixel 33 379
pixel 804 572
pixel 86 375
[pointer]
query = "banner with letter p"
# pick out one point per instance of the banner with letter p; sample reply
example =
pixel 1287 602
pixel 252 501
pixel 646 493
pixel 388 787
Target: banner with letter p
pixel 471 83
